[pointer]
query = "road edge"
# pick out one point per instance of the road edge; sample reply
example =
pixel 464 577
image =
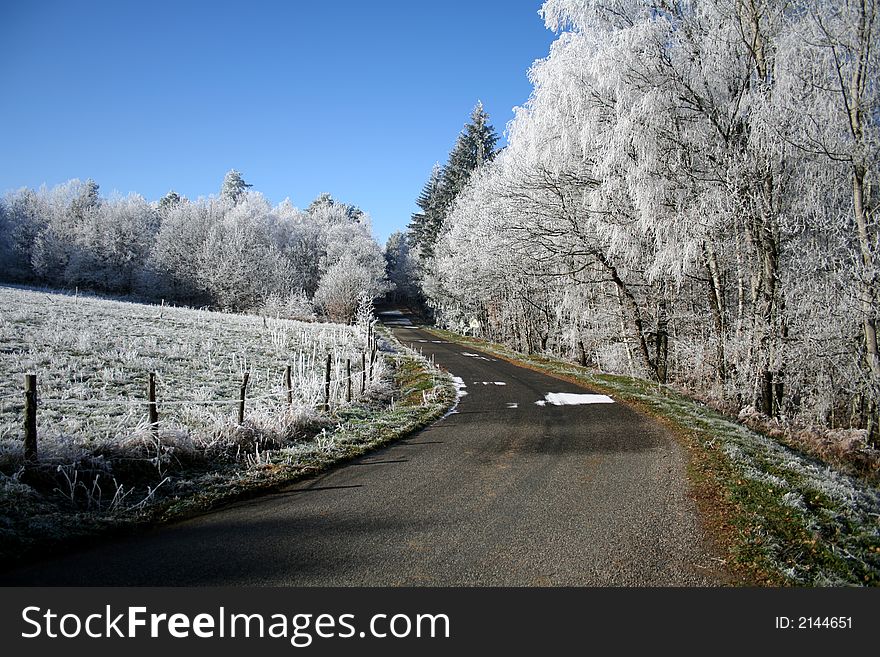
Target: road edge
pixel 767 538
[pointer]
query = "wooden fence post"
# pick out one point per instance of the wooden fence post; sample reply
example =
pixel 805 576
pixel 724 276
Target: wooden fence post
pixel 327 384
pixel 289 385
pixel 363 373
pixel 30 418
pixel 244 383
pixel 348 380
pixel 151 407
pixel 372 360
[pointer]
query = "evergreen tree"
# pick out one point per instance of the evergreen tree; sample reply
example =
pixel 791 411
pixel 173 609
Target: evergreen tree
pixel 425 225
pixel 168 202
pixel 323 200
pixel 342 211
pixel 234 186
pixel 86 198
pixel 474 147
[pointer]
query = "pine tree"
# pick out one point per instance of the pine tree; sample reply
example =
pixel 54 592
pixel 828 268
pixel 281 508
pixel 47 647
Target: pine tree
pixel 474 147
pixel 234 186
pixel 168 202
pixel 425 225
pixel 344 211
pixel 86 198
pixel 322 201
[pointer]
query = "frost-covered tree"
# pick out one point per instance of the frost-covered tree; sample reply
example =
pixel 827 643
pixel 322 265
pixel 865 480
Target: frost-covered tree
pixel 234 187
pixel 345 282
pixel 112 244
pixel 232 251
pixel 168 202
pixel 323 201
pixel 69 208
pixel 173 269
pixel 326 208
pixel 401 269
pixel 688 195
pixel 23 218
pixel 474 147
pixel 828 109
pixel 424 226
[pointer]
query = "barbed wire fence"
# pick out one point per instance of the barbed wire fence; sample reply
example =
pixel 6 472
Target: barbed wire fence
pixel 295 383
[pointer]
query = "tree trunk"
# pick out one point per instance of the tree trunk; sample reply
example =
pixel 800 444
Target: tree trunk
pixel 767 393
pixel 858 89
pixel 717 309
pixel 661 343
pixel 626 298
pixel 869 299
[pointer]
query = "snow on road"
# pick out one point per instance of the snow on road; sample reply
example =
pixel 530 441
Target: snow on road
pixel 572 399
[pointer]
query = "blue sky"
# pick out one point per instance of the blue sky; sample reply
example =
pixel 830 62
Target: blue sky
pixel 358 99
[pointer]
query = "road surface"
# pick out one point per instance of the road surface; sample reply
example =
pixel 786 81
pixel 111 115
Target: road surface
pixel 531 481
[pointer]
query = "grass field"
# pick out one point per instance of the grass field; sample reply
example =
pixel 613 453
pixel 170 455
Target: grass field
pixel 101 460
pixel 93 357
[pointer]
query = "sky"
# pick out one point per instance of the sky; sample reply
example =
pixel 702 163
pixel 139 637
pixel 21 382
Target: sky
pixel 358 99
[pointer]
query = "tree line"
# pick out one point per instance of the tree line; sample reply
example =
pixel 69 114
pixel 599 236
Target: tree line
pixel 232 251
pixel 689 195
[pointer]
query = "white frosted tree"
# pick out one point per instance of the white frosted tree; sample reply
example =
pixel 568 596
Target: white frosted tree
pixel 234 187
pixel 688 195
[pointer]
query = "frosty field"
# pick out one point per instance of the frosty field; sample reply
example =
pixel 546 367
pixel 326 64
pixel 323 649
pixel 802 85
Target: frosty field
pixel 93 357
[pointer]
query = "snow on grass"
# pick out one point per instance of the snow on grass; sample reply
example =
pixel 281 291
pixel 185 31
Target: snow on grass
pixel 93 357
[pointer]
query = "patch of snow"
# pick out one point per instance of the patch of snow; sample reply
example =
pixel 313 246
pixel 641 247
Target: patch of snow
pixel 573 399
pixel 459 386
pixel 512 405
pixel 477 356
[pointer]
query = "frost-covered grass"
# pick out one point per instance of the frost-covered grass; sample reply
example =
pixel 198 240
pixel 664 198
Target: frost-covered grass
pixel 789 519
pixel 100 461
pixel 93 356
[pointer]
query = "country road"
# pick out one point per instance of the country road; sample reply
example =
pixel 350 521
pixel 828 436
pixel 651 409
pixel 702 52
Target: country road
pixel 531 481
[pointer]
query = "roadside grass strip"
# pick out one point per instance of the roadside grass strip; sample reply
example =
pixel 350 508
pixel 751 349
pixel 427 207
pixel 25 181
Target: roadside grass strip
pixel 783 518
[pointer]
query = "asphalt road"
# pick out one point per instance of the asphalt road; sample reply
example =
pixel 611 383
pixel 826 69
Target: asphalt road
pixel 502 492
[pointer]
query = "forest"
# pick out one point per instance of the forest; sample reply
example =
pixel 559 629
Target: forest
pixel 232 251
pixel 689 195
